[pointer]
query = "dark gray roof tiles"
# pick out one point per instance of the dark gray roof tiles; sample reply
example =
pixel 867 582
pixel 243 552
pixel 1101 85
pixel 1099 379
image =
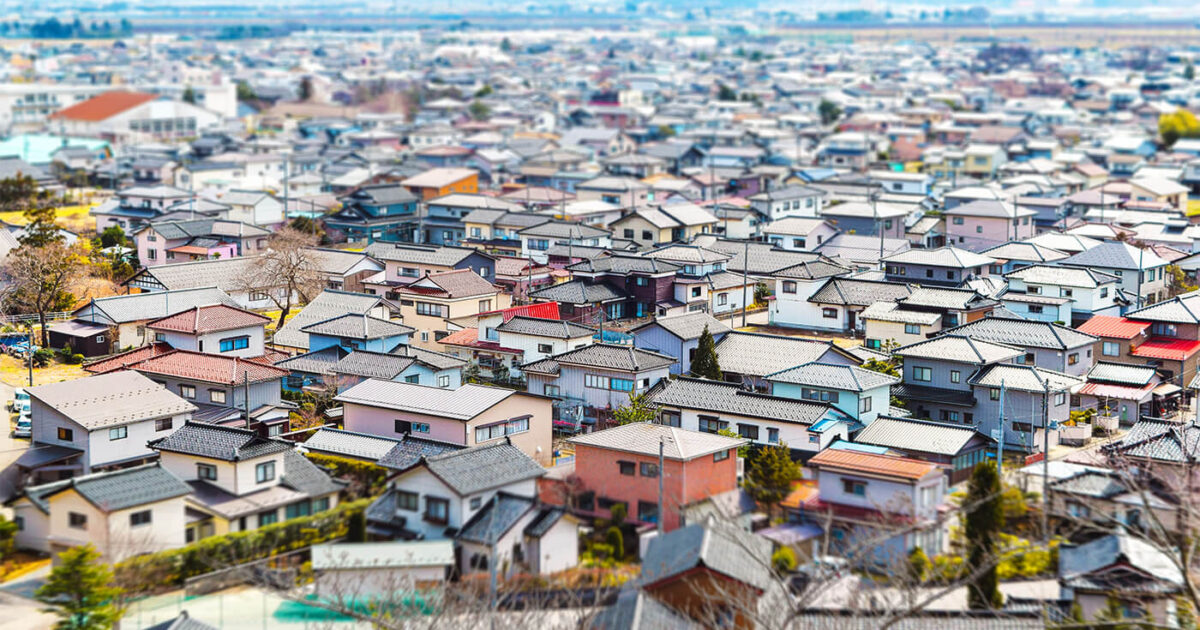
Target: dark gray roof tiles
pixel 350 443
pixel 1023 333
pixel 722 397
pixel 579 292
pixel 495 518
pixel 408 451
pixel 230 444
pixel 443 256
pixel 755 354
pixel 615 357
pixel 116 490
pixel 687 326
pixel 623 264
pixel 373 365
pixel 434 359
pixel 327 305
pixel 852 292
pixel 827 375
pixel 302 475
pixel 637 610
pixel 925 436
pixel 959 348
pixel 472 470
pixel 540 327
pixel 358 326
pixel 1115 255
pixel 317 362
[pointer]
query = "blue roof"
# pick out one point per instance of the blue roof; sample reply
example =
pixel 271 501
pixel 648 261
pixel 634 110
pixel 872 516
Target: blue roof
pixel 843 445
pixel 816 174
pixel 36 148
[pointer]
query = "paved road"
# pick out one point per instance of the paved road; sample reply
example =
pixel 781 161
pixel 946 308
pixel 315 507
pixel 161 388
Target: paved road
pixel 18 611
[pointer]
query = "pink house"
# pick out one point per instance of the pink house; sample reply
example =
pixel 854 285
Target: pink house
pixel 986 223
pixel 472 415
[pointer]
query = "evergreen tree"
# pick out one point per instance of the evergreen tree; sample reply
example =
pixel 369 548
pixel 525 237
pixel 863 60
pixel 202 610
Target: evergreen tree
pixel 985 518
pixel 638 409
pixel 829 111
pixel 306 89
pixel 189 95
pixel 42 228
pixel 705 364
pixel 770 474
pixel 1189 72
pixel 80 591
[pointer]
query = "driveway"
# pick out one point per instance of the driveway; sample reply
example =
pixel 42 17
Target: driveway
pixel 20 610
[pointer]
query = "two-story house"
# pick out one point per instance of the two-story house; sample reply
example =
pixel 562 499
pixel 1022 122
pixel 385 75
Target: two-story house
pixel 444 220
pixel 654 225
pixel 1173 342
pixel 797 233
pixel 805 426
pixel 1015 255
pixel 922 313
pixel 214 329
pixel 470 415
pixel 136 206
pixel 702 283
pixel 747 358
pixel 439 182
pixel 984 224
pixel 1123 391
pixel 626 192
pixel 956 448
pixel 406 263
pixel 1140 272
pixel 645 283
pixel 241 481
pixel 383 212
pixel 868 218
pixel 1079 293
pixel 122 513
pixel 357 331
pixel 678 336
pixel 110 324
pixel 537 240
pixel 861 394
pixel 621 465
pixel 849 297
pixel 1046 345
pixel 410 365
pixel 592 381
pixel 1019 400
pixel 427 304
pixel 789 201
pixel 945 266
pixel 497 229
pixel 166 242
pixel 794 285
pixel 98 423
pixel 937 375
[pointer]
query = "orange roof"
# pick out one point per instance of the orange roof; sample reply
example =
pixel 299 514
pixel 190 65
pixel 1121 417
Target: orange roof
pixel 104 106
pixel 883 465
pixel 1113 327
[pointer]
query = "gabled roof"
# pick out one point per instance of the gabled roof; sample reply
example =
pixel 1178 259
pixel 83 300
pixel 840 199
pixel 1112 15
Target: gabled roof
pixel 1115 255
pixel 891 312
pixel 1112 327
pixel 1024 251
pixel 1023 333
pixel 624 264
pixel 960 349
pixel 108 400
pixel 888 466
pixel 717 546
pixel 949 256
pixel 1062 276
pixel 442 256
pixel 1140 566
pixel 945 298
pixel 473 470
pixel 115 490
pixel 924 436
pixel 327 305
pixel 104 106
pixel 686 326
pixel 208 368
pixel 373 365
pixel 755 354
pixel 1026 378
pixel 350 443
pixel 643 438
pixel 579 291
pixel 730 398
pixel 827 375
pixel 358 326
pixel 205 319
pixel 460 283
pixel 538 327
pixel 463 403
pixel 154 304
pixel 1124 373
pixel 604 356
pixel 1181 309
pixel 215 441
pixel 495 518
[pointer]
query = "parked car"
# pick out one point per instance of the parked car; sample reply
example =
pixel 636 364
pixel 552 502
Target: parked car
pixel 20 401
pixel 24 428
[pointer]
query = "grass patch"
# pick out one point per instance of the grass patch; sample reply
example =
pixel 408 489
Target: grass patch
pixel 74 218
pixel 14 372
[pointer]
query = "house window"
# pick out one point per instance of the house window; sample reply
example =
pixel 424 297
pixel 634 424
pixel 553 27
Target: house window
pixel 258 296
pixel 595 381
pixel 722 299
pixel 207 472
pixel 1060 398
pixel 268 518
pixel 160 336
pixel 443 380
pixel 420 427
pixel 1111 349
pixel 994 393
pixel 411 272
pixel 789 286
pixel 647 512
pixel 66 435
pixel 996 269
pixel 1163 329
pixel 628 233
pixel 1036 308
pixel 1073 358
pixel 626 468
pixel 264 472
pixel 696 292
pixel 814 438
pixel 77 520
pixel 912 329
pixel 854 487
pixel 407 501
pixel 187 391
pixel 402 426
pixel 829 313
pixel 798 243
pixel 864 404
pixel 235 343
pixel 1103 292
pixel 430 310
pixel 118 433
pixel 721 456
pixel 647 235
pixel 217 396
pixel 545 348
pixel 485 306
pixel 476 503
pixel 621 385
pixel 648 470
pixel 949 416
pixel 772 435
pixel 709 424
pixel 1022 427
pixel 958 220
pixel 955 376
pixel 748 431
pixel 550 390
pixel 297 509
pixel 1078 510
pixel 140 518
pixel 922 374
pixel 413 379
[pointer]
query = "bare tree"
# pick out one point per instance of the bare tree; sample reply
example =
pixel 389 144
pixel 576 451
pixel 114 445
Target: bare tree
pixel 39 277
pixel 287 272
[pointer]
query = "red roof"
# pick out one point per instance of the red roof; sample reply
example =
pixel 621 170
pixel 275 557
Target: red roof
pixel 1113 327
pixel 1166 348
pixel 129 357
pixel 542 310
pixel 885 465
pixel 211 318
pixel 469 338
pixel 1123 392
pixel 209 368
pixel 104 106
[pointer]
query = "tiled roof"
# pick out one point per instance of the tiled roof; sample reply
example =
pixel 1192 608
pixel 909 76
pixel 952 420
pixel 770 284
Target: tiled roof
pixel 453 284
pixel 1139 375
pixel 472 470
pixel 463 403
pixel 327 305
pixel 317 362
pixel 623 264
pixel 959 348
pixel 941 257
pixel 1024 251
pixel 129 357
pixel 891 312
pixel 1115 255
pixel 209 368
pixel 937 297
pixel 924 436
pixel 436 360
pixel 1062 276
pixel 373 365
pixel 104 106
pixel 1166 348
pixel 302 475
pixel 1024 378
pixel 156 304
pixel 579 292
pixel 842 377
pixel 615 357
pixel 688 325
pixel 110 399
pixel 350 443
pixel 1112 327
pixel 643 438
pixel 230 444
pixel 358 326
pixel 537 327
pixel 1181 309
pixel 206 319
pixel 730 398
pixel 936 395
pixel 720 547
pixel 411 449
pixel 116 490
pixel 756 354
pixel 443 256
pixel 495 518
pixel 867 463
pixel 1023 333
pixel 813 269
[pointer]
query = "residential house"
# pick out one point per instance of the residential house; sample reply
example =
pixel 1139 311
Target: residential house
pixel 1020 254
pixel 748 358
pixel 1124 568
pixel 1140 272
pixel 954 447
pixel 343 270
pixel 1174 336
pixel 482 344
pixel 851 150
pixel 522 535
pixel 122 513
pixel 253 207
pixel 537 240
pixel 136 206
pixel 984 224
pixel 796 233
pixel 805 426
pixel 621 465
pixel 97 423
pixel 1020 401
pixel 382 212
pixel 945 266
pixel 326 305
pixel 702 283
pixel 227 330
pixel 161 243
pixel 937 375
pixel 625 192
pixel 497 230
pixel 406 263
pixel 357 331
pixel 613 287
pixel 470 415
pixel 380 571
pixel 592 381
pixel 444 219
pixel 850 297
pixel 1043 291
pixel 121 319
pixel 125 116
pixel 429 303
pixel 240 278
pixel 922 313
pixel 859 393
pixel 869 218
pixel 1123 391
pixel 795 285
pixel 787 202
pixel 678 336
pixel 439 182
pixel 1046 345
pixel 649 226
pixel 241 481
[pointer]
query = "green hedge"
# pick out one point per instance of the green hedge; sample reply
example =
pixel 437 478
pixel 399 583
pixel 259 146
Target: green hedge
pixel 366 479
pixel 169 569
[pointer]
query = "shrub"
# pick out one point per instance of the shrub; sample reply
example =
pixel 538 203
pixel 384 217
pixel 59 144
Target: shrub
pixel 618 512
pixel 42 357
pixel 784 560
pixel 919 564
pixel 616 540
pixel 366 479
pixel 74 359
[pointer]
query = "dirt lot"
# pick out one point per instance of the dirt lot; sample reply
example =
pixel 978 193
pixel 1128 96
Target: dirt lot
pixel 14 372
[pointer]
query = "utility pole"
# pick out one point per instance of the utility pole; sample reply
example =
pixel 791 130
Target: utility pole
pixel 662 441
pixel 878 223
pixel 745 264
pixel 29 352
pixel 1046 463
pixel 246 395
pixel 1000 450
pixel 492 577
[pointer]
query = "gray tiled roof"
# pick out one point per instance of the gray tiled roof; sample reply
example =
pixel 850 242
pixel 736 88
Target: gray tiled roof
pixel 1092 483
pixel 1126 374
pixel 118 489
pixel 1115 255
pixel 443 256
pixel 623 264
pixel 350 443
pixel 357 326
pixel 223 273
pixel 1023 333
pixel 1024 378
pixel 722 397
pixel 952 257
pixel 156 304
pixel 1095 558
pixel 891 312
pixel 112 399
pixel 688 325
pixel 764 258
pixel 317 362
pixel 541 327
pixel 852 292
pixel 476 469
pixel 302 475
pixel 328 304
pixel 923 436
pixel 411 449
pixel 815 269
pixel 1024 251
pixel 614 357
pixel 756 354
pixel 463 403
pixel 564 229
pixel 579 292
pixel 373 364
pixel 495 518
pixel 718 546
pixel 937 395
pixel 1062 276
pixel 636 610
pixel 182 622
pixel 953 299
pixel 230 444
pixel 959 348
pixel 827 375
pixel 1181 309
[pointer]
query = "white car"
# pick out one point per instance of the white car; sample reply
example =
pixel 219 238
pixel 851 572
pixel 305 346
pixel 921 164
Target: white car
pixel 24 428
pixel 20 403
